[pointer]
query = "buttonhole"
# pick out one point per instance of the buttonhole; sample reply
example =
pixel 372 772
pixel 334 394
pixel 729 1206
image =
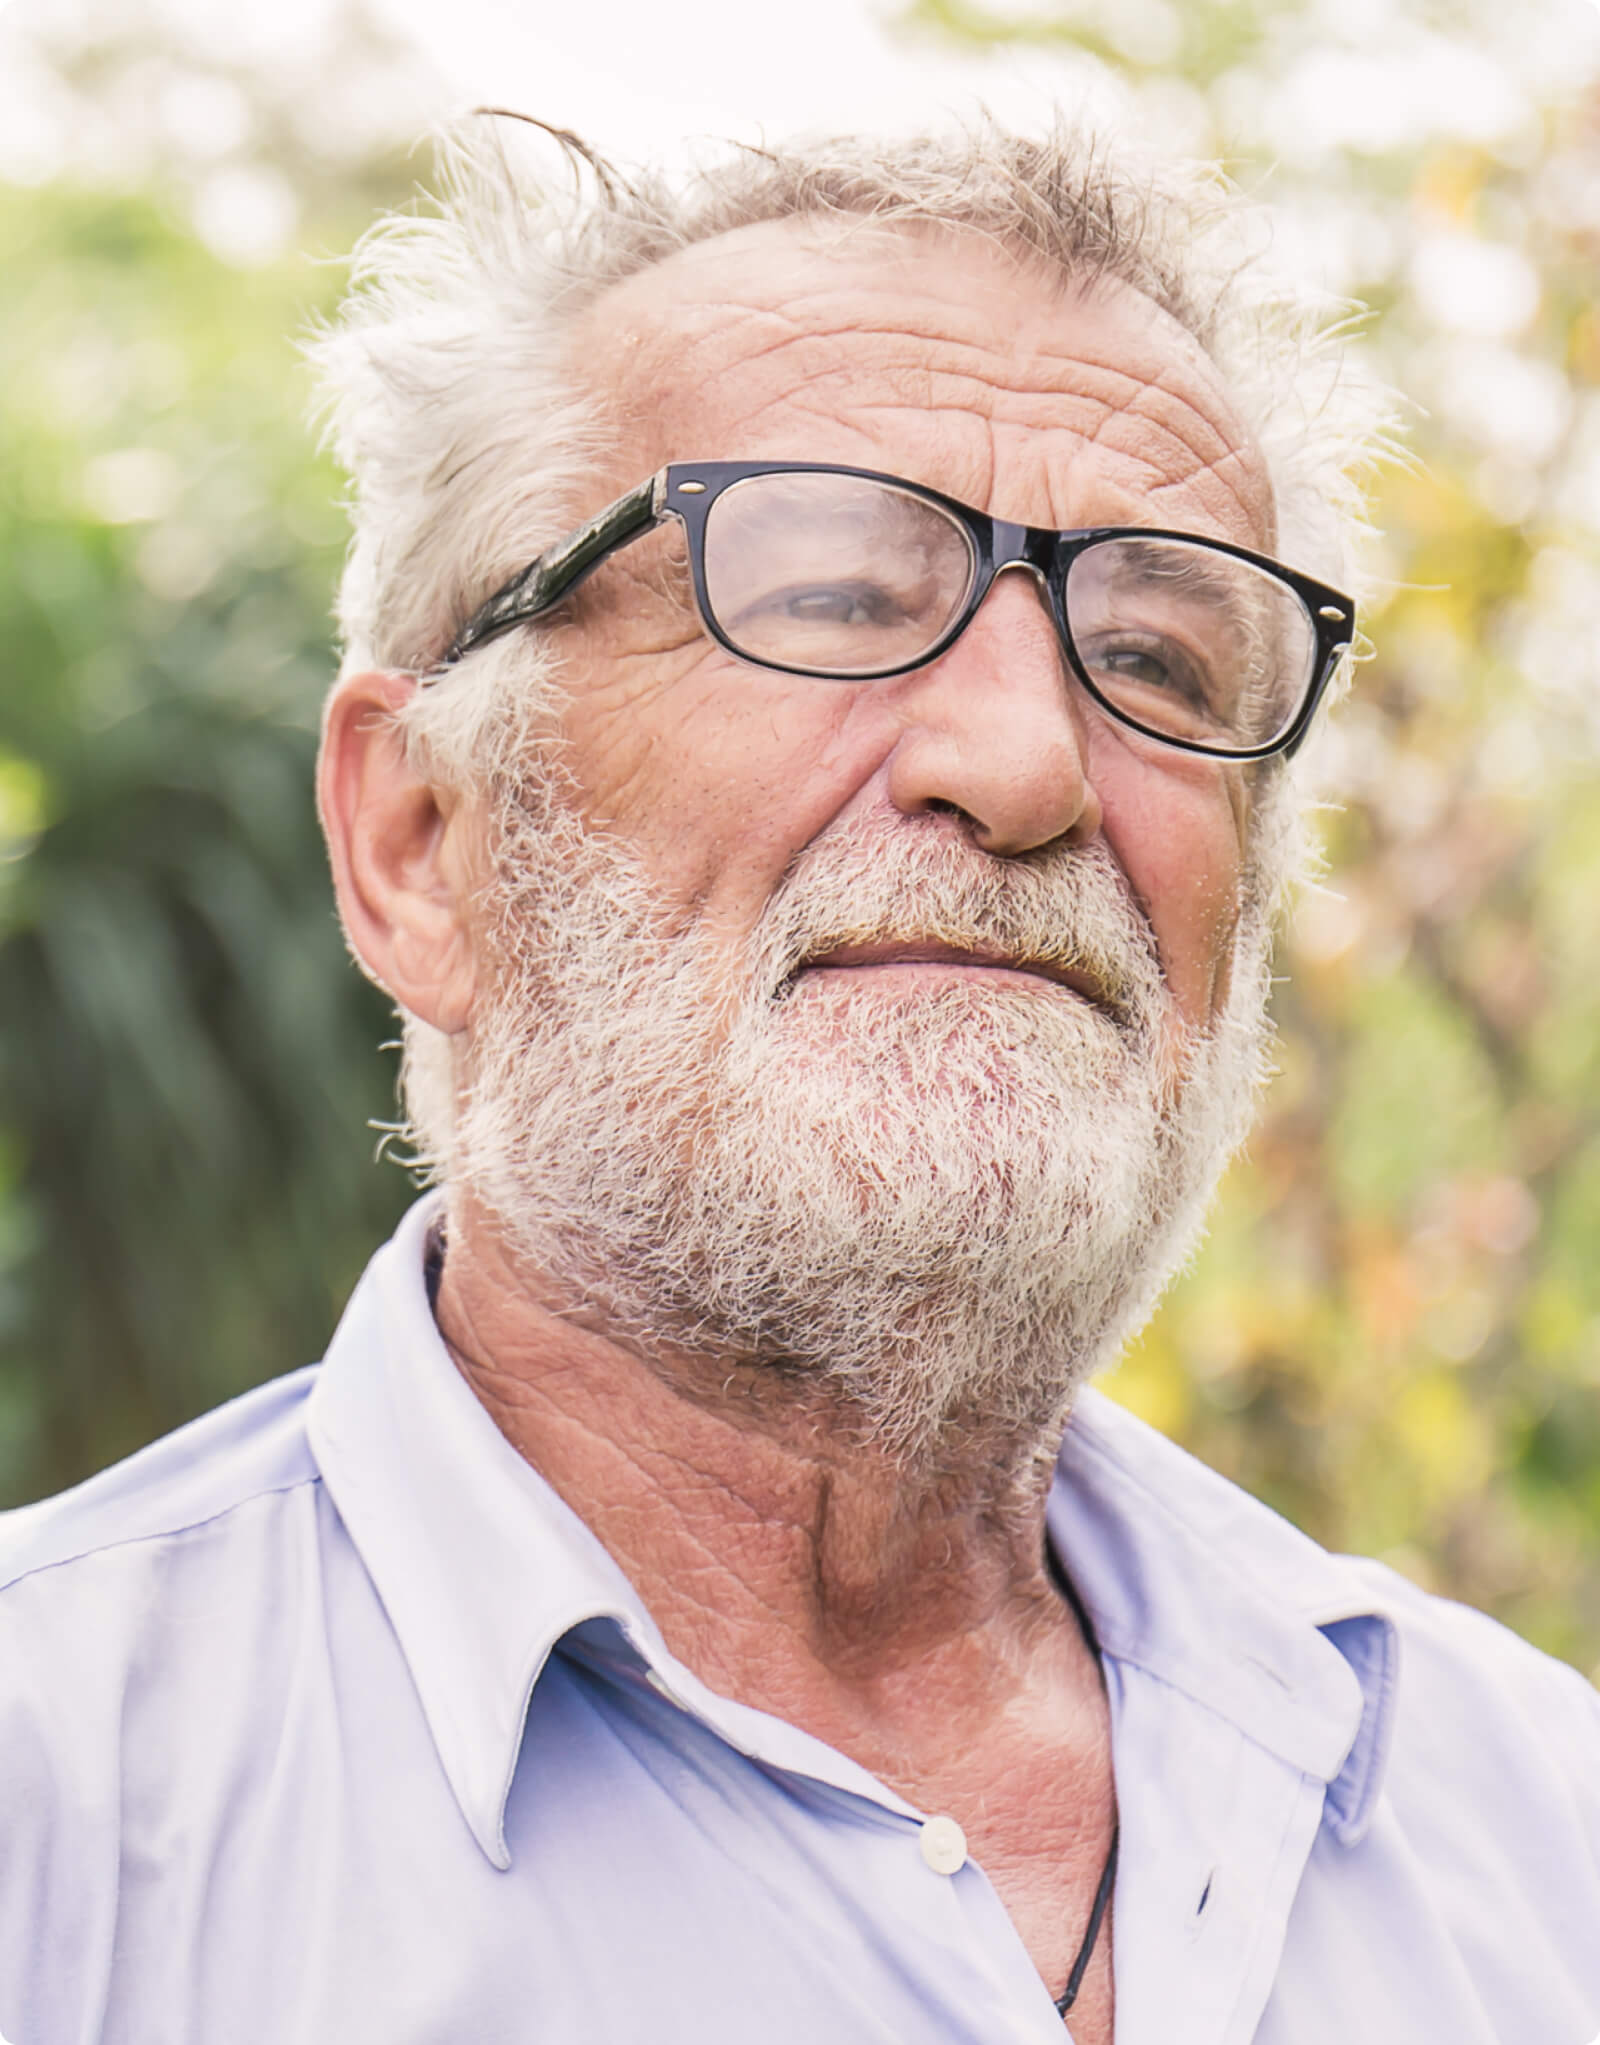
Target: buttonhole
pixel 1205 1896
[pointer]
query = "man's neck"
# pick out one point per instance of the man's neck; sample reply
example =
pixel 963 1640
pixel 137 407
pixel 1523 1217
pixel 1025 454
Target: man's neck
pixel 785 1565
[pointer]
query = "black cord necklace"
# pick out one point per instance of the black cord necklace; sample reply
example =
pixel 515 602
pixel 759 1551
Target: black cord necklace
pixel 1108 1874
pixel 1102 1900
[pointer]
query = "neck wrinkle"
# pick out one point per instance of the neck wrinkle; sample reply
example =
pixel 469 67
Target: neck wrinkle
pixel 772 1558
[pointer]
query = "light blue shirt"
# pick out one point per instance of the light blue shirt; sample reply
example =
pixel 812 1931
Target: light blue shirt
pixel 325 1722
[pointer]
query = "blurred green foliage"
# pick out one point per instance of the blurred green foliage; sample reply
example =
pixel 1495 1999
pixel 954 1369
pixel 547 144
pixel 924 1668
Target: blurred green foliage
pixel 1394 1331
pixel 187 1060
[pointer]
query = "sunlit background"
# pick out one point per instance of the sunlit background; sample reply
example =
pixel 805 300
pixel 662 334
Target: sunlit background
pixel 1394 1332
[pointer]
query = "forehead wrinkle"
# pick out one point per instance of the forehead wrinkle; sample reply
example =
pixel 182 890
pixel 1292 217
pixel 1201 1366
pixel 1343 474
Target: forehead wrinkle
pixel 925 389
pixel 1169 470
pixel 1154 403
pixel 1115 426
pixel 960 331
pixel 662 360
pixel 1258 512
pixel 1208 448
pixel 980 376
pixel 1160 431
pixel 867 349
pixel 1080 382
pixel 972 469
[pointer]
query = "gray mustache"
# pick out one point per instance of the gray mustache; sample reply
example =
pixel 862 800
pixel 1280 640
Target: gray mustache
pixel 1068 910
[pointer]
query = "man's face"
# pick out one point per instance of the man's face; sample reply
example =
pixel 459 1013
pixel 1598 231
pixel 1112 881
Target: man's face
pixel 887 1036
pixel 944 362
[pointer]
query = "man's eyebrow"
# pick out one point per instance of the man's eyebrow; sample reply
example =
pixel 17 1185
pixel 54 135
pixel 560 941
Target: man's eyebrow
pixel 1184 561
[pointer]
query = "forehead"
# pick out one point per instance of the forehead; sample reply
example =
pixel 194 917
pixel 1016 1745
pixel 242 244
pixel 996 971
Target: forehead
pixel 934 354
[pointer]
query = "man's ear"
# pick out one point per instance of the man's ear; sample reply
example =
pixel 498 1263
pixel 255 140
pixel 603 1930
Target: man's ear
pixel 402 855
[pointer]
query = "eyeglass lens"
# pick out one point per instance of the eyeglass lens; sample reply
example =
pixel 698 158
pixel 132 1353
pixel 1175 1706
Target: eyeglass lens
pixel 836 575
pixel 1190 643
pixel 844 577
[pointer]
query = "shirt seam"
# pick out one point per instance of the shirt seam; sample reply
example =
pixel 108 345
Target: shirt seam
pixel 1222 1717
pixel 165 1533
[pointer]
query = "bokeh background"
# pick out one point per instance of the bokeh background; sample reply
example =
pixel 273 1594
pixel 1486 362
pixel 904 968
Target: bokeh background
pixel 1393 1333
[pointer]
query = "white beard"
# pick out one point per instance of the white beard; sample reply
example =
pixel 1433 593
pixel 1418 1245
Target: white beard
pixel 937 1206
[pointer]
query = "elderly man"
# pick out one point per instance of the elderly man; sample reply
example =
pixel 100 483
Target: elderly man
pixel 825 646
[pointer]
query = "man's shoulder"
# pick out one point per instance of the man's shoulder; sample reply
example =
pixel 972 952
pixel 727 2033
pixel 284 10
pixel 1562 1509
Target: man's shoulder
pixel 1468 1682
pixel 202 1474
pixel 153 1623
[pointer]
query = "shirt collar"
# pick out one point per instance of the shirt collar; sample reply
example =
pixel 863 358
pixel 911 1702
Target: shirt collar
pixel 480 1565
pixel 1191 1579
pixel 482 1569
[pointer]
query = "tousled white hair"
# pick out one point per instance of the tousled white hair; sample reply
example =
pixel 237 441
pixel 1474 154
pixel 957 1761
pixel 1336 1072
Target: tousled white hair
pixel 468 435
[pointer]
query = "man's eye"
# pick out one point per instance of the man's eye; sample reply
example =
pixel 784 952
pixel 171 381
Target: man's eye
pixel 1156 664
pixel 834 603
pixel 1136 665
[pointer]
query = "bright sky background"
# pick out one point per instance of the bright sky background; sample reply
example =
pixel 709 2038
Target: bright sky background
pixel 647 78
pixel 641 77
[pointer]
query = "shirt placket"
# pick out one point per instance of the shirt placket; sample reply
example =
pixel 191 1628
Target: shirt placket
pixel 1216 1831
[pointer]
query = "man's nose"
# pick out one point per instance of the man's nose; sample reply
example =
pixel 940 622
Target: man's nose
pixel 998 729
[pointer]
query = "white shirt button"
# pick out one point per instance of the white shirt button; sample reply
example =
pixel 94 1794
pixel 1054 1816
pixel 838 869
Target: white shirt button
pixel 944 1845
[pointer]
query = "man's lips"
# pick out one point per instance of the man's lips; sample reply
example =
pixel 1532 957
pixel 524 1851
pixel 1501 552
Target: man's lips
pixel 978 959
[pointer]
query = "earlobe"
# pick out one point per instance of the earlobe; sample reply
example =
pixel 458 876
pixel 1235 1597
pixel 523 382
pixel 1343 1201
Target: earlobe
pixel 400 854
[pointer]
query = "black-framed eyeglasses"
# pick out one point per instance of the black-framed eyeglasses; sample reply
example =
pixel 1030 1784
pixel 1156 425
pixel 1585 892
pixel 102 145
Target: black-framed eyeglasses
pixel 845 575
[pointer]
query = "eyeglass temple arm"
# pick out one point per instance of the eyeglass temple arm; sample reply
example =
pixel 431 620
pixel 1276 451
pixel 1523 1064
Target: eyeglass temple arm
pixel 561 568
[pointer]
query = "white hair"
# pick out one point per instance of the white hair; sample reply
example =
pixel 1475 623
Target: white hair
pixel 468 436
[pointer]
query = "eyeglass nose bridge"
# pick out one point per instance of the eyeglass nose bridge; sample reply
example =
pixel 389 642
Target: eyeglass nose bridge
pixel 1030 548
pixel 1021 546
